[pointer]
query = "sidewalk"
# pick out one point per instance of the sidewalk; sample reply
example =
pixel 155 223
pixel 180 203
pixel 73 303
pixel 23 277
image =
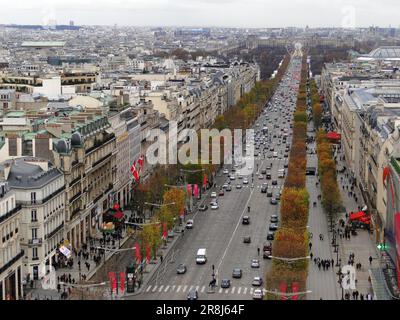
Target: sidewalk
pixel 37 292
pixel 322 284
pixel 363 244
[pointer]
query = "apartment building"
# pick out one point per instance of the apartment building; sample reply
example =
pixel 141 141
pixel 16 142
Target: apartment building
pixel 11 253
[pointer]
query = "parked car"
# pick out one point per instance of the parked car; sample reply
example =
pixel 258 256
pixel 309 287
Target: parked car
pixel 270 235
pixel 255 263
pixel 214 206
pixel 203 207
pixel 273 201
pixel 221 193
pixel 246 220
pixel 274 218
pixel 273 227
pixel 258 294
pixel 189 224
pixel 247 239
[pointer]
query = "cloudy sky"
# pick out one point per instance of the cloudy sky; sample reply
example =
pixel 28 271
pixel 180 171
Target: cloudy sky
pixel 230 13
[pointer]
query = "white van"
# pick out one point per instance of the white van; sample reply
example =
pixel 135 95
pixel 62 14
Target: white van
pixel 201 257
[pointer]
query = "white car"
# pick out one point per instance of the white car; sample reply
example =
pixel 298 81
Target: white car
pixel 255 263
pixel 258 294
pixel 214 206
pixel 189 224
pixel 245 181
pixel 232 177
pixel 226 171
pixel 213 194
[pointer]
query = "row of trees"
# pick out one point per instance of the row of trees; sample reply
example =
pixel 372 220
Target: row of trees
pixel 291 239
pixel 316 106
pixel 154 190
pixel 331 197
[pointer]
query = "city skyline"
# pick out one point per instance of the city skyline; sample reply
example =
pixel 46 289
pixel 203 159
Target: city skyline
pixel 201 13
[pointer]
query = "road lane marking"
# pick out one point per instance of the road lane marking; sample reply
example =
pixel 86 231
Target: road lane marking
pixel 227 291
pixel 245 291
pixel 154 289
pixel 148 288
pixel 251 291
pixel 202 289
pixel 166 288
pixel 197 288
pixel 178 289
pixel 233 290
pixel 173 287
pixel 191 287
pixel 240 289
pixel 184 288
pixel 161 287
pixel 220 290
pixel 234 232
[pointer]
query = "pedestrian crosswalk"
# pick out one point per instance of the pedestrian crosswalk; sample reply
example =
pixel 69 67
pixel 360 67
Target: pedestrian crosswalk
pixel 184 289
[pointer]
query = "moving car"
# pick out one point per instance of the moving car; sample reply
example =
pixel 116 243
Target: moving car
pixel 237 273
pixel 260 177
pixel 238 186
pixel 221 192
pixel 247 239
pixel 269 193
pixel 201 257
pixel 228 188
pixel 226 171
pixel 273 227
pixel 257 282
pixel 274 218
pixel 264 188
pixel 255 263
pixel 274 182
pixel 213 194
pixel 181 269
pixel 225 283
pixel 245 181
pixel 258 294
pixel 246 220
pixel 193 295
pixel 189 224
pixel 273 201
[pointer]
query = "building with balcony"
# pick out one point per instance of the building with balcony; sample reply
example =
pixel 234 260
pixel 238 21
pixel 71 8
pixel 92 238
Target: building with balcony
pixel 11 253
pixel 39 189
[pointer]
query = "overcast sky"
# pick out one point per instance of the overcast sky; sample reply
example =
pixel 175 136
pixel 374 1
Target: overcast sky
pixel 230 13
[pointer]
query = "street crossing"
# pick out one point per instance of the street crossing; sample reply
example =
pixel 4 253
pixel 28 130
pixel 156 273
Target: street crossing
pixel 240 291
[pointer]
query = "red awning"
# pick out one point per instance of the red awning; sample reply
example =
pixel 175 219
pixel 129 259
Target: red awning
pixel 333 135
pixel 357 215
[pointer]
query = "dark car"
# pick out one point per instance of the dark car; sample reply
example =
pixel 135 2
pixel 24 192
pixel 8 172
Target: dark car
pixel 246 220
pixel 228 188
pixel 221 193
pixel 247 239
pixel 274 182
pixel 263 171
pixel 270 235
pixel 264 189
pixel 181 269
pixel 225 283
pixel 237 273
pixel 273 201
pixel 203 207
pixel 269 176
pixel 269 193
pixel 193 295
pixel 273 227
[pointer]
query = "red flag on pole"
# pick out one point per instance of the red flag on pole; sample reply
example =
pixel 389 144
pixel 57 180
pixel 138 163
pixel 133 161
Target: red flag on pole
pixel 165 231
pixel 122 282
pixel 205 181
pixel 113 281
pixel 134 171
pixel 295 289
pixel 196 190
pixel 282 289
pixel 147 254
pixel 189 189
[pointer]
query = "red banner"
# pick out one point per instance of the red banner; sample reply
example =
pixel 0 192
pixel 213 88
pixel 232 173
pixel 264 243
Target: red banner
pixel 122 282
pixel 113 281
pixel 205 181
pixel 196 190
pixel 295 289
pixel 140 161
pixel 147 254
pixel 165 231
pixel 282 289
pixel 189 189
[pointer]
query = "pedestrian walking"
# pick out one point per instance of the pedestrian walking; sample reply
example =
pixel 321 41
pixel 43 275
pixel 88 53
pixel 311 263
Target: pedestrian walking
pixel 311 255
pixel 310 245
pixel 370 260
pixel 161 258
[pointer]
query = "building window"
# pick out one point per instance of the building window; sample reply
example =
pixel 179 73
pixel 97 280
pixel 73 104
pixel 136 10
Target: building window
pixel 34 233
pixel 33 197
pixel 33 215
pixel 34 253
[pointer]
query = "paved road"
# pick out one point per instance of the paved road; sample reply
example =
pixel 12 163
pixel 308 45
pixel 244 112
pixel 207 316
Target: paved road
pixel 221 231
